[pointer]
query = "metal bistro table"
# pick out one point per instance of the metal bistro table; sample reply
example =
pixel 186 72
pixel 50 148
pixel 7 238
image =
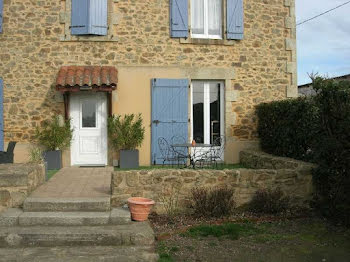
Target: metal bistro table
pixel 192 150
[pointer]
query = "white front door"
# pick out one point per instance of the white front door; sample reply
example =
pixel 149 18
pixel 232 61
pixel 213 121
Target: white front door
pixel 89 118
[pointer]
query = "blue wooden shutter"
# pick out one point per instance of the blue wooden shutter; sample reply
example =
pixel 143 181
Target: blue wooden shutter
pixel 179 18
pixel 1 115
pixel 80 17
pixel 169 112
pixel 1 13
pixel 235 14
pixel 89 17
pixel 98 17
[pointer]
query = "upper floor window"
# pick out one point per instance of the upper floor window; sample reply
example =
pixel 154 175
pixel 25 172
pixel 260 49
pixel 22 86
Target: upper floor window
pixel 89 17
pixel 206 19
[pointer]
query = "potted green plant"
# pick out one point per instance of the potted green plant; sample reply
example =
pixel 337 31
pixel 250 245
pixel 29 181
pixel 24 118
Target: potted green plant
pixel 126 134
pixel 55 135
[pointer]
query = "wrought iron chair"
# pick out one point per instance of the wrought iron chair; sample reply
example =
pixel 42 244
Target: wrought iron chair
pixel 180 153
pixel 214 154
pixel 168 154
pixel 7 157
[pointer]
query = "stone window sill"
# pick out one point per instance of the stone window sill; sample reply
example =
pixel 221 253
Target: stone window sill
pixel 200 41
pixel 70 38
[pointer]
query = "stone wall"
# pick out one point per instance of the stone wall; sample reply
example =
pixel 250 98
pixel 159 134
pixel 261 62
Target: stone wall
pixel 17 181
pixel 34 44
pixel 261 160
pixel 161 185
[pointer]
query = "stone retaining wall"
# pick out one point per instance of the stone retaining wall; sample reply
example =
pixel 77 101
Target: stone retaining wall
pixel 262 160
pixel 17 181
pixel 161 185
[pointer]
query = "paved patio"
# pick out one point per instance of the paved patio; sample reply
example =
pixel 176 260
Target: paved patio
pixel 76 182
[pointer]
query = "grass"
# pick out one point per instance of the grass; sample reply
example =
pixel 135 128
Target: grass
pixel 218 167
pixel 165 252
pixel 229 230
pixel 51 173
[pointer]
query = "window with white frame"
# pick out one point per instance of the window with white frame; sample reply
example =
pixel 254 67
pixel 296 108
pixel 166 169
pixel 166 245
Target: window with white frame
pixel 207 111
pixel 206 19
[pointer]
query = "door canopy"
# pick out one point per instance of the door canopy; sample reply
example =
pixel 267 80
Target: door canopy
pixel 94 78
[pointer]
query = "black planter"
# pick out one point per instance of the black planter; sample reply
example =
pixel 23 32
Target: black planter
pixel 129 159
pixel 53 159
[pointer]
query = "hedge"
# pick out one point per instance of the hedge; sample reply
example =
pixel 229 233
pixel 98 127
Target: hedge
pixel 286 128
pixel 315 129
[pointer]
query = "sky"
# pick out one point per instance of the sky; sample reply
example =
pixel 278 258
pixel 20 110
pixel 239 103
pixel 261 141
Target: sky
pixel 323 44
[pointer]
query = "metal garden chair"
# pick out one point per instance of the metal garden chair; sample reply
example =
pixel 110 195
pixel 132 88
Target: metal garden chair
pixel 168 154
pixel 7 157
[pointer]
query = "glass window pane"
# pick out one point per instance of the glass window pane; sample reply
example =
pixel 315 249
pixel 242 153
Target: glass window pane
pixel 214 111
pixel 198 112
pixel 214 17
pixel 88 113
pixel 197 16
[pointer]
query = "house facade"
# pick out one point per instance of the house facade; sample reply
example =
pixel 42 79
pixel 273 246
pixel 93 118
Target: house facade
pixel 194 68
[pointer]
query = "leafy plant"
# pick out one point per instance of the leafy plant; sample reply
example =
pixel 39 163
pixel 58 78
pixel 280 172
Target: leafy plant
pixel 216 202
pixel 54 134
pixel 270 201
pixel 126 133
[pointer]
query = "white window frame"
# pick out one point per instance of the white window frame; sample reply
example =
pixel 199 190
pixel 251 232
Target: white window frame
pixel 206 23
pixel 207 108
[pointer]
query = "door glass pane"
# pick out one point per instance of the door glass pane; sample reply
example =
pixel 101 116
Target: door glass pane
pixel 198 112
pixel 197 16
pixel 214 17
pixel 88 112
pixel 214 111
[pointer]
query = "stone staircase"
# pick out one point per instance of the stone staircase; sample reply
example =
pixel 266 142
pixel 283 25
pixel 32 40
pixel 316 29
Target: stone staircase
pixel 73 229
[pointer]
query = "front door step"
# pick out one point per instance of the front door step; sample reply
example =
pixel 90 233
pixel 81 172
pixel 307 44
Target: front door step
pixel 37 204
pixel 80 254
pixel 140 234
pixel 16 217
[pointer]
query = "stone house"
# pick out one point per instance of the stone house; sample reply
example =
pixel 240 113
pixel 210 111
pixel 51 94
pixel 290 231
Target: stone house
pixel 191 67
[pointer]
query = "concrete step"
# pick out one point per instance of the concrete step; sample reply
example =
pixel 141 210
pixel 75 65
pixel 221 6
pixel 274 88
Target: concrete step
pixel 80 254
pixel 139 234
pixel 36 204
pixel 15 217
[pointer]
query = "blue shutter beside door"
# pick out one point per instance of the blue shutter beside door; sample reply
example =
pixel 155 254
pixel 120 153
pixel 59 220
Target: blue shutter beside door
pixel 179 18
pixel 234 16
pixel 169 112
pixel 80 17
pixel 1 13
pixel 98 17
pixel 1 115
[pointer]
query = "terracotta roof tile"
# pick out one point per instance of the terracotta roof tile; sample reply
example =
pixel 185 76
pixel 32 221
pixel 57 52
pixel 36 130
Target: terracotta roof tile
pixel 94 76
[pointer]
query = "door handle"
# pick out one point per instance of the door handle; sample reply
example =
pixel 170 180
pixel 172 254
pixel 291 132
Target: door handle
pixel 156 122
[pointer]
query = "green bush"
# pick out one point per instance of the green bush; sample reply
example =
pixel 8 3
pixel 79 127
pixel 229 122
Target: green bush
pixel 126 132
pixel 332 150
pixel 286 128
pixel 215 202
pixel 54 134
pixel 268 201
pixel 315 129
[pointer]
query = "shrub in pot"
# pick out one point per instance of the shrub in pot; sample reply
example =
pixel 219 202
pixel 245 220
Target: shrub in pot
pixel 126 134
pixel 55 135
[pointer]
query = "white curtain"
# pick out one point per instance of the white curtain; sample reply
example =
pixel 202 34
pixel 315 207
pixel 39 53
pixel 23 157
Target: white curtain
pixel 197 16
pixel 214 17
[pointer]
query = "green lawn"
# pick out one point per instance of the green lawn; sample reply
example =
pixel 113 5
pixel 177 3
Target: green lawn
pixel 51 173
pixel 218 167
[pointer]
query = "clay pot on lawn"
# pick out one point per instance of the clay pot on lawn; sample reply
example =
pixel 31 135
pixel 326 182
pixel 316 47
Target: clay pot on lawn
pixel 140 208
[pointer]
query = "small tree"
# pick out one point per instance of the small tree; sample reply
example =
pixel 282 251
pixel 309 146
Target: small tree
pixel 54 134
pixel 126 133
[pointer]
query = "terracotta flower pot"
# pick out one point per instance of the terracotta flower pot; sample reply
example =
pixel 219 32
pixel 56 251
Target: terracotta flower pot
pixel 140 208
